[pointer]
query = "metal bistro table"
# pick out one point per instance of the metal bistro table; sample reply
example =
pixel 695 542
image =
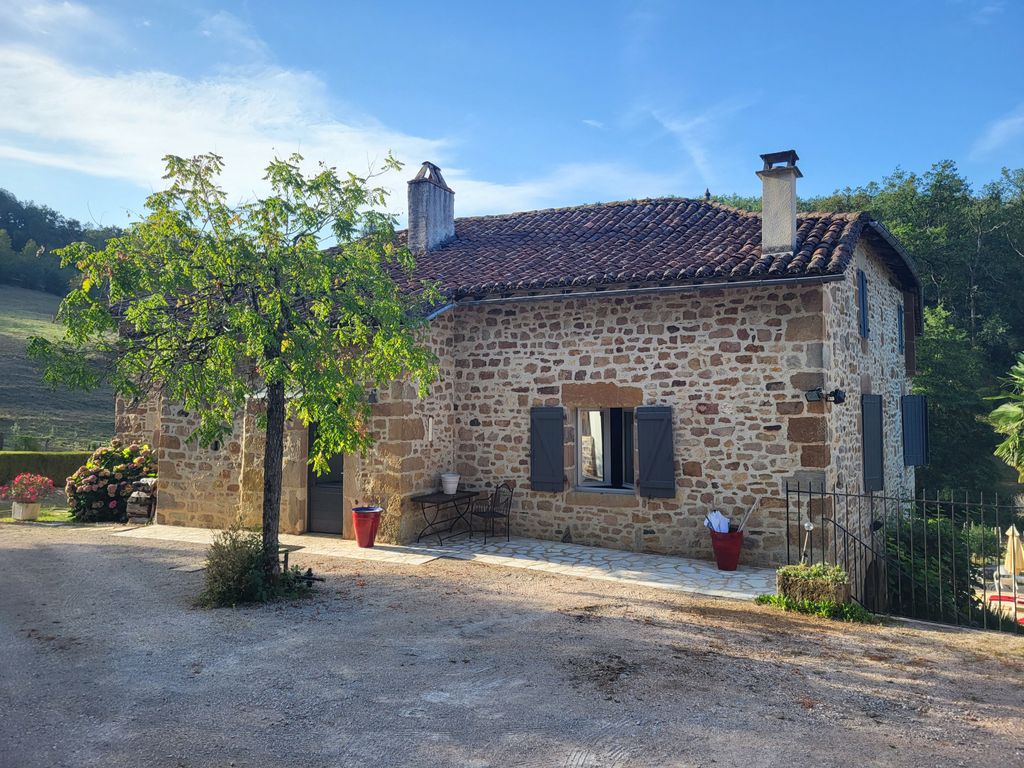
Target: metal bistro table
pixel 434 506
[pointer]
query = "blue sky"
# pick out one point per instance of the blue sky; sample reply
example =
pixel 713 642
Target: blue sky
pixel 524 105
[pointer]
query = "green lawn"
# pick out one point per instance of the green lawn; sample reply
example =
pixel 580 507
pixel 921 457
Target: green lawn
pixel 67 419
pixel 47 514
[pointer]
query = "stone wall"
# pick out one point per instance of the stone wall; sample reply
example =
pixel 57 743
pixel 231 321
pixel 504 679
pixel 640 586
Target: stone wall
pixel 416 443
pixel 210 487
pixel 732 364
pixel 866 366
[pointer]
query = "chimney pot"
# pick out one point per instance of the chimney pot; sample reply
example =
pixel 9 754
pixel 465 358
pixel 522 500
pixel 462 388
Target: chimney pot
pixel 431 210
pixel 778 201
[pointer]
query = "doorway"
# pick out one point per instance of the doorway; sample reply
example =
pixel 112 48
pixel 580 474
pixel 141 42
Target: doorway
pixel 325 495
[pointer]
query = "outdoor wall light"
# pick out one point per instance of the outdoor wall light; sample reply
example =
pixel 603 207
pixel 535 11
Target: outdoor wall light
pixel 816 395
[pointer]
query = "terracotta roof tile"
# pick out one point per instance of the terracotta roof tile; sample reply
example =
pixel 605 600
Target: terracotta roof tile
pixel 672 240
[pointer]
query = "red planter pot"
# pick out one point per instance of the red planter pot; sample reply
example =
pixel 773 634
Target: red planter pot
pixel 727 548
pixel 366 521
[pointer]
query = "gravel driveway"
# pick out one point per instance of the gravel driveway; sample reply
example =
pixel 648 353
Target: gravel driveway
pixel 106 663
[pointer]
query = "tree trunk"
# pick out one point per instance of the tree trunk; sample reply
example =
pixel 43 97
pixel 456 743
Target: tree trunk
pixel 273 472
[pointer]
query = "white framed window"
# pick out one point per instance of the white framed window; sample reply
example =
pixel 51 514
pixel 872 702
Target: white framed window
pixel 605 439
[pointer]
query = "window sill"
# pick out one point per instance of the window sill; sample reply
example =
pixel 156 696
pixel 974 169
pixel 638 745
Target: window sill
pixel 600 489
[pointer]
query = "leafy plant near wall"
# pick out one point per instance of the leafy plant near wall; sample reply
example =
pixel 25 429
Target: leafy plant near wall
pixel 235 572
pixel 99 490
pixel 826 609
pixel 931 575
pixel 1008 419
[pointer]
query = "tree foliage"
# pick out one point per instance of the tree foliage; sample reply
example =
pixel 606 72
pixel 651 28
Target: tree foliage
pixel 951 371
pixel 214 305
pixel 1008 419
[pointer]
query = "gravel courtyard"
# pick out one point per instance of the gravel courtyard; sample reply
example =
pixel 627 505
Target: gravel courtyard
pixel 105 663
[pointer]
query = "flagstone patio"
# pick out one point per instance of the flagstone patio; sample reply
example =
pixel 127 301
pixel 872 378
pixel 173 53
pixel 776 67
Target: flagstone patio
pixel 641 569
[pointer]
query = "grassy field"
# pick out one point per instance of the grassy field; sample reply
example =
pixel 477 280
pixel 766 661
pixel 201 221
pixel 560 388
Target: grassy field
pixel 66 419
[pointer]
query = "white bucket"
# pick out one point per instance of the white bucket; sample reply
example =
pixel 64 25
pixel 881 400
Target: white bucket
pixel 449 482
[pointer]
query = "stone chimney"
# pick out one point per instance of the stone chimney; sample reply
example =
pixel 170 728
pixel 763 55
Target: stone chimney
pixel 431 210
pixel 778 201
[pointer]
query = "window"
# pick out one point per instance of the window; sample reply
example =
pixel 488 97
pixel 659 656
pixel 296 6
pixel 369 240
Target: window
pixel 900 331
pixel 862 304
pixel 604 449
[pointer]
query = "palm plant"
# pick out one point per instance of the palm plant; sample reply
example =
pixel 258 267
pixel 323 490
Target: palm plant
pixel 1008 419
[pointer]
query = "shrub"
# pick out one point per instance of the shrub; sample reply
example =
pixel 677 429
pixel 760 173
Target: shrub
pixel 99 490
pixel 235 575
pixel 26 488
pixel 55 465
pixel 826 609
pixel 815 582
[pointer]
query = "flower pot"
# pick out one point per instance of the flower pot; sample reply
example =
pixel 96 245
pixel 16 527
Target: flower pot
pixel 366 521
pixel 450 482
pixel 25 511
pixel 727 549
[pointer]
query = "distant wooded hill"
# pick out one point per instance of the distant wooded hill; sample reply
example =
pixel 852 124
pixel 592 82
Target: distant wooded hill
pixel 29 234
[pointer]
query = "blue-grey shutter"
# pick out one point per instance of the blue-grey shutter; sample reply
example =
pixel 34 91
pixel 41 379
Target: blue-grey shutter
pixel 547 452
pixel 915 430
pixel 900 332
pixel 871 436
pixel 657 473
pixel 862 303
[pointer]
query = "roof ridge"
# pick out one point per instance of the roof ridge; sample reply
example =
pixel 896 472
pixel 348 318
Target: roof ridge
pixel 847 215
pixel 610 204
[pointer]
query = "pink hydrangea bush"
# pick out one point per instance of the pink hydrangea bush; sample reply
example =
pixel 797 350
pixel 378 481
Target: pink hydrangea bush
pixel 99 491
pixel 26 488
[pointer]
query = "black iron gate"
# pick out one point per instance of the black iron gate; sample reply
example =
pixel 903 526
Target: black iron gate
pixel 936 556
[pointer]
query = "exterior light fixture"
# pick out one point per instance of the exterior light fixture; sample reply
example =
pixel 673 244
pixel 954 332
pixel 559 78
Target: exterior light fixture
pixel 816 395
pixel 836 396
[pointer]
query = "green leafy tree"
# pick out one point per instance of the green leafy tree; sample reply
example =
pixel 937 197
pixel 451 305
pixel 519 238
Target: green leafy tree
pixel 1008 419
pixel 951 372
pixel 213 305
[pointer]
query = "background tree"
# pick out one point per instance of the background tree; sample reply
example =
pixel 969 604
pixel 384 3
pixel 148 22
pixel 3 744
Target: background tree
pixel 951 372
pixel 212 305
pixel 29 235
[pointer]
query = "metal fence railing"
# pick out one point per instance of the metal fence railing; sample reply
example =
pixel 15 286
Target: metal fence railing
pixel 938 556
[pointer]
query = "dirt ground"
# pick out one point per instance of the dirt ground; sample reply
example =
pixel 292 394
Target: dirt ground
pixel 106 663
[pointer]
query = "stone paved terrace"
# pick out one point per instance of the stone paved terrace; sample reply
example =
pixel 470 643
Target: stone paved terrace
pixel 659 571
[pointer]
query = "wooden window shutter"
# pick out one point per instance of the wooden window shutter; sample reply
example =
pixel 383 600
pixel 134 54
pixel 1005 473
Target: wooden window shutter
pixel 910 332
pixel 862 303
pixel 915 430
pixel 901 332
pixel 657 473
pixel 547 452
pixel 871 437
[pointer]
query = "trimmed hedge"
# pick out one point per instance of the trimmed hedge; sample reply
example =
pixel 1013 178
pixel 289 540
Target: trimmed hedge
pixel 56 465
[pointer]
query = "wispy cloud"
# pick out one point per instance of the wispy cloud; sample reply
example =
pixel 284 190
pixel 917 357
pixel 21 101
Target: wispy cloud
pixel 228 30
pixel 986 12
pixel 698 132
pixel 999 134
pixel 118 125
pixel 52 23
pixel 594 124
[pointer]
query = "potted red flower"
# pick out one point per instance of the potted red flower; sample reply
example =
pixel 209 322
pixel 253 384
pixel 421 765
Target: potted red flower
pixel 25 491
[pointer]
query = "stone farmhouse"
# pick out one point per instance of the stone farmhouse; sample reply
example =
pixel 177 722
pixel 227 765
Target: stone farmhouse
pixel 629 366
